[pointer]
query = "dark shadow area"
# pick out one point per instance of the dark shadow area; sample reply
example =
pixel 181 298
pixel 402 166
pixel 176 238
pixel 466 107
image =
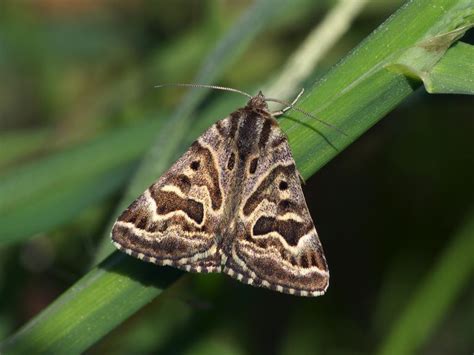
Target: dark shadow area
pixel 147 274
pixel 314 129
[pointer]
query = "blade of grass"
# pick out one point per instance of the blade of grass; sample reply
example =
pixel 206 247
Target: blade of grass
pixel 20 144
pixel 354 95
pixel 60 329
pixel 434 296
pixel 454 73
pixel 426 59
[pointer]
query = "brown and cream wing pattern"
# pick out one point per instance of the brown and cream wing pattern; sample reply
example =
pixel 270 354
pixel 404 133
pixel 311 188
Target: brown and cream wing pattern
pixel 233 203
pixel 277 245
pixel 173 222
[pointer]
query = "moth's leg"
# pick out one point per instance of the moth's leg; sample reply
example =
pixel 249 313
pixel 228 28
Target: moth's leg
pixel 290 106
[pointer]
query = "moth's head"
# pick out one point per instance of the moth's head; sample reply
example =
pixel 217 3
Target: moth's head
pixel 258 102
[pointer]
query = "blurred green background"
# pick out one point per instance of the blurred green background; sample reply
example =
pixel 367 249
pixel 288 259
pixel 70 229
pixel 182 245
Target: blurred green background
pixel 76 89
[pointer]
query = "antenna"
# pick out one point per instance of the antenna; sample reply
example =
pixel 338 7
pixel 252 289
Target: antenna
pixel 287 107
pixel 216 87
pixel 291 105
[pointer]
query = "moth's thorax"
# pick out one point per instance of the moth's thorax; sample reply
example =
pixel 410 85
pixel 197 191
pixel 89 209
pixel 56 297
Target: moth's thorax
pixel 254 126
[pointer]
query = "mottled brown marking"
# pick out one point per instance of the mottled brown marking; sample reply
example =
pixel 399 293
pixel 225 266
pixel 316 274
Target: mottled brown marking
pixel 166 248
pixel 234 123
pixel 263 226
pixel 133 212
pixel 290 230
pixel 129 215
pixel 283 185
pixel 259 194
pixel 153 227
pixel 314 260
pixel 304 262
pixel 278 141
pixel 320 261
pixel 195 165
pixel 142 222
pixel 272 270
pixel 285 206
pixel 288 256
pixel 294 260
pixel 221 129
pixel 253 166
pixel 211 171
pixel 183 182
pixel 246 137
pixel 231 161
pixel 265 133
pixel 167 202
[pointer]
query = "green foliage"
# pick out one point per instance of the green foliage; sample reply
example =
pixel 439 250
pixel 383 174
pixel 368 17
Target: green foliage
pixel 59 196
pixel 431 300
pixel 454 72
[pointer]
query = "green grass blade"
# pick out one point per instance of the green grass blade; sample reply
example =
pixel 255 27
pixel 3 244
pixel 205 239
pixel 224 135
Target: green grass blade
pixel 428 60
pixel 61 329
pixel 454 73
pixel 20 144
pixel 435 295
pixel 353 96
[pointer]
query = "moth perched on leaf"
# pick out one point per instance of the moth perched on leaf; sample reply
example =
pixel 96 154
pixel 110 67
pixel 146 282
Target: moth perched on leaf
pixel 232 203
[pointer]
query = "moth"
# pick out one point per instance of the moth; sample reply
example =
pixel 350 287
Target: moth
pixel 232 203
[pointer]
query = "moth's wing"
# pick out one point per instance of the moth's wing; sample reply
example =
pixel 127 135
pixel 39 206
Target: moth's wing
pixel 173 222
pixel 277 245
